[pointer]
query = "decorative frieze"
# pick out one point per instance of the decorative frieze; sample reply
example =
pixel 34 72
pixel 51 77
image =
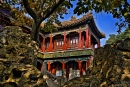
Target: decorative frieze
pixel 66 53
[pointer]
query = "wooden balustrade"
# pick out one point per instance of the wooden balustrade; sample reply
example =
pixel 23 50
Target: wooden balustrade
pixel 68 46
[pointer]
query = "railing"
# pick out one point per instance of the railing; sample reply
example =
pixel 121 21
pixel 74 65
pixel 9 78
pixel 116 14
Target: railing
pixel 72 46
pixel 67 47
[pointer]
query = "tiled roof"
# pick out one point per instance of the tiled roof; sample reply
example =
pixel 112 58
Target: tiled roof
pixel 75 21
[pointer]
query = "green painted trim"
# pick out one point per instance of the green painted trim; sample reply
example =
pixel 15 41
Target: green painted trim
pixel 66 53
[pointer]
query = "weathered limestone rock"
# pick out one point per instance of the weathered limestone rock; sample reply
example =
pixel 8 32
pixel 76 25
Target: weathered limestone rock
pixel 17 55
pixel 111 67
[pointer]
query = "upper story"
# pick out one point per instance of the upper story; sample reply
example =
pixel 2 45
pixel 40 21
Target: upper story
pixel 75 34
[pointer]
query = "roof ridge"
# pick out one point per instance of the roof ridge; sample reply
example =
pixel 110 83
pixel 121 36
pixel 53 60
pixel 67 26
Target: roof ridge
pixel 73 19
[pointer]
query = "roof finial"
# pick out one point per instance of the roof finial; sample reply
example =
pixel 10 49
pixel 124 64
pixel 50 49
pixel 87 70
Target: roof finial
pixel 73 18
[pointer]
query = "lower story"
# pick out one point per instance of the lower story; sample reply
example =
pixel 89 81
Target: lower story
pixel 66 67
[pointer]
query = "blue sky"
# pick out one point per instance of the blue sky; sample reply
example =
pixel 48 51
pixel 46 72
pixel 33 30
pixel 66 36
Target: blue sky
pixel 106 24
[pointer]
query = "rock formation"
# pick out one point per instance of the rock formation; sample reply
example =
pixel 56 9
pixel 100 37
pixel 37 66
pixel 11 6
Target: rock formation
pixel 111 67
pixel 17 55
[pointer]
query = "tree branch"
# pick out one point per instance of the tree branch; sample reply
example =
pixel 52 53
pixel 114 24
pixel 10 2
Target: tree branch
pixel 41 6
pixel 43 2
pixel 51 9
pixel 28 9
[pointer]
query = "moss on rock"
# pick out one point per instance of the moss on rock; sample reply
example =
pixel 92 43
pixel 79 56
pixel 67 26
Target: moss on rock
pixel 17 55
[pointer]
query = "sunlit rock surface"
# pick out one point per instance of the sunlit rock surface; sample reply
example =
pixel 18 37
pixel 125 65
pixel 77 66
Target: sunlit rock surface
pixel 17 56
pixel 111 67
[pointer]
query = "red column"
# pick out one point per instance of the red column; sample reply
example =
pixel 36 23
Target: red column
pixel 87 35
pixel 63 65
pixel 80 41
pixel 50 45
pixel 65 45
pixel 53 69
pixel 49 66
pixel 80 67
pixel 43 45
pixel 89 39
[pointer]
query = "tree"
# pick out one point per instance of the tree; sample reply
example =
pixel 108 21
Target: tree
pixel 122 36
pixel 50 10
pixel 111 39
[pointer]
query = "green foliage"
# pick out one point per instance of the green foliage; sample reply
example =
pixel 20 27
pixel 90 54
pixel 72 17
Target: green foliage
pixel 113 38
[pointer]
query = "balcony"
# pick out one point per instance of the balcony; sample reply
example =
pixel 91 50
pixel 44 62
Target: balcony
pixel 72 41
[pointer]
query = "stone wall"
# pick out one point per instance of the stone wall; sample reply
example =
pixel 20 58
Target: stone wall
pixel 17 55
pixel 111 67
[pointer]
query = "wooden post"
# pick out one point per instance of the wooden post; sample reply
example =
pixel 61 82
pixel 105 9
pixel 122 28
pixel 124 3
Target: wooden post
pixel 89 39
pixel 43 45
pixel 53 69
pixel 65 45
pixel 63 65
pixel 80 67
pixel 49 66
pixel 87 35
pixel 50 45
pixel 80 41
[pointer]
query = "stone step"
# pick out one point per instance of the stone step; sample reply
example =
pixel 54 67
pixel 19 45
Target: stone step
pixel 51 83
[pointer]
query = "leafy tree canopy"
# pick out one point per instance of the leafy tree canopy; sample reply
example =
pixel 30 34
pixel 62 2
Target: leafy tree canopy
pixel 123 35
pixel 50 10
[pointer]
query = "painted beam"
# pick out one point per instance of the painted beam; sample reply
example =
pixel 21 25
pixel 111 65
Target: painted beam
pixel 71 53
